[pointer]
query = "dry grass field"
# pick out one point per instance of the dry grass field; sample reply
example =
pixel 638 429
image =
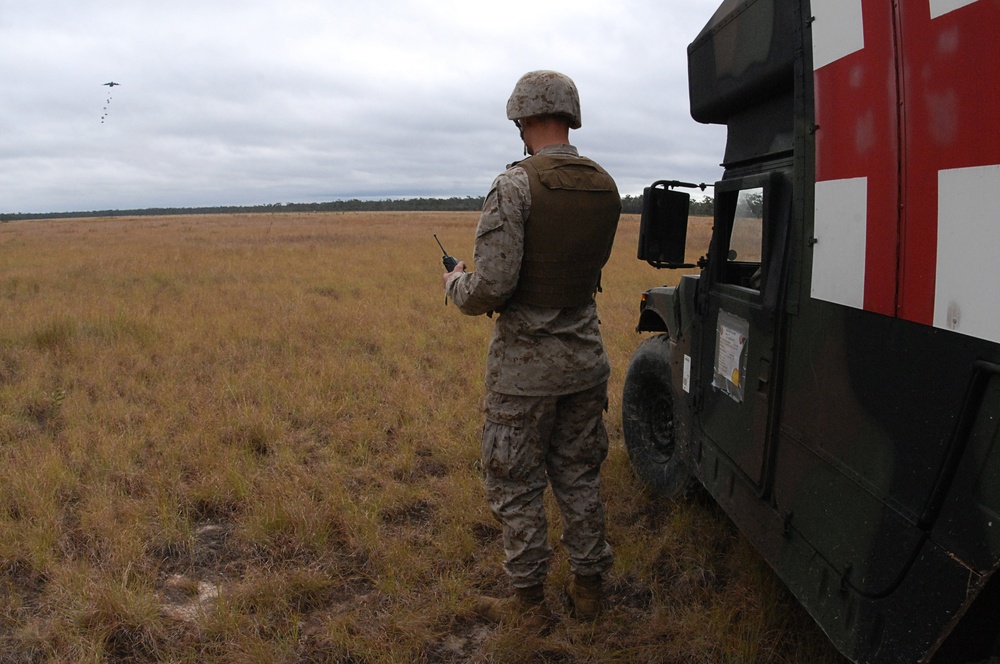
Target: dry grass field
pixel 254 438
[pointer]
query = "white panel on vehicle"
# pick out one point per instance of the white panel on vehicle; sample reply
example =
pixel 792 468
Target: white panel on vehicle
pixel 687 374
pixel 837 30
pixel 939 7
pixel 841 236
pixel 966 291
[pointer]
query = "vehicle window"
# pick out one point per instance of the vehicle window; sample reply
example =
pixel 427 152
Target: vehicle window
pixel 743 266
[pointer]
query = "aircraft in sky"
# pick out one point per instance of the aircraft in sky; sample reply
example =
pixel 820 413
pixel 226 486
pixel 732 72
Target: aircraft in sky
pixel 111 84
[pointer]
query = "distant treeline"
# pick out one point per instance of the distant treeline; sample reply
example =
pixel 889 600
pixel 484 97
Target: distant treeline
pixel 630 205
pixel 703 208
pixel 453 204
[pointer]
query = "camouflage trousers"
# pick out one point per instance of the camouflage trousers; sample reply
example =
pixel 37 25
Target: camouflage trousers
pixel 529 443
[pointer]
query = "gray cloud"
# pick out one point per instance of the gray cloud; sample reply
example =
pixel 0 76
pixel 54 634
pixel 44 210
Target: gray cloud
pixel 238 103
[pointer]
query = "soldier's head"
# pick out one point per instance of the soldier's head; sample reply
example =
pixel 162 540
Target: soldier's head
pixel 546 100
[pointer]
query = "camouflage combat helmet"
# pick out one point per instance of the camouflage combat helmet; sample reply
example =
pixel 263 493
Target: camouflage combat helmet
pixel 545 93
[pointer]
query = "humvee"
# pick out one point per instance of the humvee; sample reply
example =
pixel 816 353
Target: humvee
pixel 831 374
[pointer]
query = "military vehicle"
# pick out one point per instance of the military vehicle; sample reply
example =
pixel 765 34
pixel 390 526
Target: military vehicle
pixel 831 374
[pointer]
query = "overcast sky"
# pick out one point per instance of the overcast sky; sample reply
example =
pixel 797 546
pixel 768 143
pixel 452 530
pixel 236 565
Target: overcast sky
pixel 244 102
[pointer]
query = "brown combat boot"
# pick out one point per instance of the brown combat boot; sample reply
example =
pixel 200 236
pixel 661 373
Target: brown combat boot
pixel 584 595
pixel 525 608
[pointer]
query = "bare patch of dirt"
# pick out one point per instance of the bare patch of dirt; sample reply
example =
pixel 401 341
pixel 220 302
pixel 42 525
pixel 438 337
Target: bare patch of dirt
pixel 192 575
pixel 187 599
pixel 460 644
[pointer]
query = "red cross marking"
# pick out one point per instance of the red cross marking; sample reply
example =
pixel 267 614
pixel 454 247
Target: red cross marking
pixel 922 96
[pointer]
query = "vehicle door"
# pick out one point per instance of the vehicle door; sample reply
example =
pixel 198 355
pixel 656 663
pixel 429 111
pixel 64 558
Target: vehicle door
pixel 740 303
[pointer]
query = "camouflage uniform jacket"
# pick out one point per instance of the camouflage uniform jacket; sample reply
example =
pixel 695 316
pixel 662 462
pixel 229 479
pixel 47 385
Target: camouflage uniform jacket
pixel 534 351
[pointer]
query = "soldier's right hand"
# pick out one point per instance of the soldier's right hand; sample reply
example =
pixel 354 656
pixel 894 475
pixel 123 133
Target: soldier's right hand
pixel 448 276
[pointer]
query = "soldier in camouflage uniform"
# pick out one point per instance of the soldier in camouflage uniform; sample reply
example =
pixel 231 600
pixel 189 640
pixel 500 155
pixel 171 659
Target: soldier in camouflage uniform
pixel 545 232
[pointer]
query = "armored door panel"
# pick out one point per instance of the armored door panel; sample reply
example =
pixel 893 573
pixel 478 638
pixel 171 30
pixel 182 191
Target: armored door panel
pixel 738 348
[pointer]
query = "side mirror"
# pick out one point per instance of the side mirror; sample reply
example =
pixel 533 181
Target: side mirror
pixel 663 228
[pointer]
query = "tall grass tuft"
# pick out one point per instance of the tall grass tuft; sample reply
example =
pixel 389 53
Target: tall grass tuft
pixel 255 438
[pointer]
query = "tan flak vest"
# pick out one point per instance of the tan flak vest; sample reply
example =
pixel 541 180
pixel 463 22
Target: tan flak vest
pixel 569 231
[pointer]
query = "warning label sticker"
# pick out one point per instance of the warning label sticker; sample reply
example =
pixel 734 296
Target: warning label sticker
pixel 731 354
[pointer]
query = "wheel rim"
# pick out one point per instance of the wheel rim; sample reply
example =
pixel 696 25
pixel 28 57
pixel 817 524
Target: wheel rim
pixel 661 422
